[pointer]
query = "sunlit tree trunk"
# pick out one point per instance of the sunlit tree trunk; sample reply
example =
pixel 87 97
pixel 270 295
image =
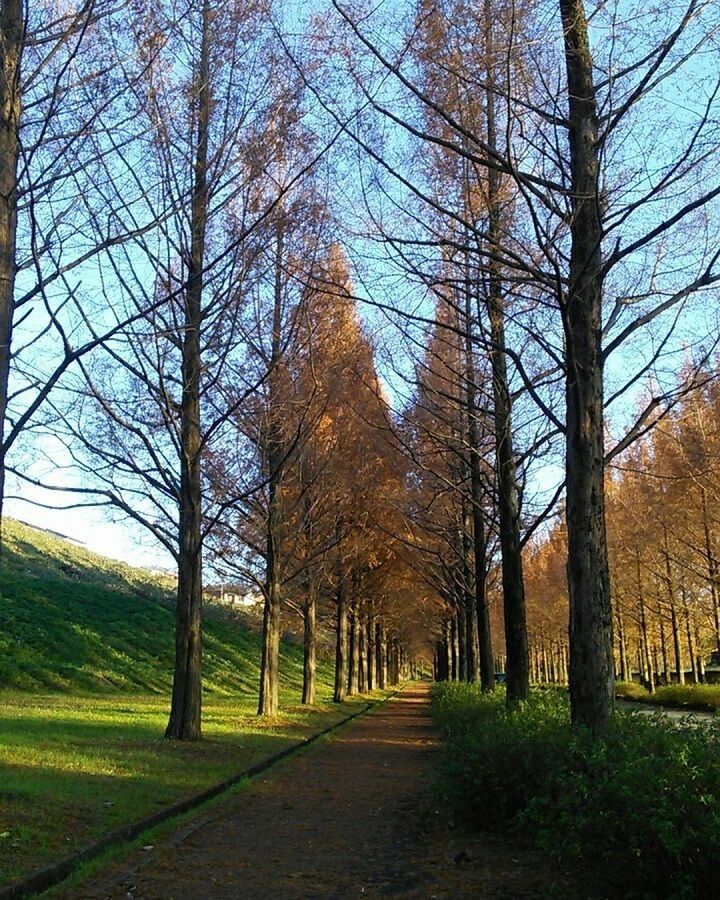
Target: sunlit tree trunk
pixel 591 658
pixel 674 622
pixel 341 639
pixel 353 633
pixel 186 706
pixel 712 567
pixel 380 673
pixel 310 640
pixel 622 647
pixel 362 654
pixel 274 453
pixel 690 637
pixel 663 644
pixel 370 644
pixel 649 670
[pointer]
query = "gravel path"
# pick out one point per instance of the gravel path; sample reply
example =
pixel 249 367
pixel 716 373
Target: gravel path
pixel 352 817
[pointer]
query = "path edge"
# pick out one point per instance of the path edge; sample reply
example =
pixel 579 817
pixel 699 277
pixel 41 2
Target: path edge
pixel 48 876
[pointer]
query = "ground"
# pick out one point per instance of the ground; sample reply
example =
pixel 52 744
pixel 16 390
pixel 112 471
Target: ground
pixel 355 816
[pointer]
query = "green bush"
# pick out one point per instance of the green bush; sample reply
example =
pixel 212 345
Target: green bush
pixel 642 803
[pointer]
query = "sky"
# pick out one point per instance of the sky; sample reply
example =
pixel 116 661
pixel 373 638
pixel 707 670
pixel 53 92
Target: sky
pixel 116 538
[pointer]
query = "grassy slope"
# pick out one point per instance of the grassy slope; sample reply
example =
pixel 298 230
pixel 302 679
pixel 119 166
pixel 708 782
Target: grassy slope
pixel 105 627
pixel 85 677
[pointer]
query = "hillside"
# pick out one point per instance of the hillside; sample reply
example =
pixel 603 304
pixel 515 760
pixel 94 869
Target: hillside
pixel 77 621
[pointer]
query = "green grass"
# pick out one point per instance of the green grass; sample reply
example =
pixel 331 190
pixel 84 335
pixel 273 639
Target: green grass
pixel 107 627
pixel 86 656
pixel 73 768
pixel 690 696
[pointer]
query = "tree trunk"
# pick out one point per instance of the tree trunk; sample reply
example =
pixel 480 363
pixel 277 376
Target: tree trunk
pixel 679 668
pixel 690 638
pixel 354 633
pixel 545 667
pixel 534 656
pixel 370 644
pixel 699 661
pixel 515 617
pixel 712 568
pixel 591 659
pixel 274 453
pixel 380 673
pixel 362 654
pixel 472 650
pixel 454 668
pixel 481 666
pixel 663 645
pixel 650 672
pixel 309 642
pixel 12 29
pixel 622 647
pixel 341 637
pixel 674 624
pixel 462 641
pixel 186 707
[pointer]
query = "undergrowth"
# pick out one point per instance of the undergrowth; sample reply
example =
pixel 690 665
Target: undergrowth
pixel 641 804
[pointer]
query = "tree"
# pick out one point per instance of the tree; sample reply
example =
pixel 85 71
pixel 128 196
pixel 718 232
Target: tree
pixel 61 112
pixel 158 410
pixel 595 225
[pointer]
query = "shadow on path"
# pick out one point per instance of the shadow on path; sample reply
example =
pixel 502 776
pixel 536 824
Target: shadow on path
pixel 352 817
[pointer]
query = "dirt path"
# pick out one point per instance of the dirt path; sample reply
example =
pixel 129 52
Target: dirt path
pixel 352 817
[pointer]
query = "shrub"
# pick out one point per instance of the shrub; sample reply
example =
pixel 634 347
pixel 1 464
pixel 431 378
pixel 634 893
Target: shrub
pixel 642 803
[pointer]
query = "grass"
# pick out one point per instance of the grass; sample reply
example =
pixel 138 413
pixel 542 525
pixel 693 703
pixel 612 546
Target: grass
pixel 76 621
pixel 73 768
pixel 704 697
pixel 86 656
pixel 640 806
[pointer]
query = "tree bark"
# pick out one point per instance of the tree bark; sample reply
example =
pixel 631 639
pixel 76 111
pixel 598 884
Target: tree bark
pixel 517 666
pixel 370 644
pixel 362 654
pixel 591 659
pixel 470 625
pixel 690 638
pixel 649 665
pixel 481 666
pixel 622 647
pixel 354 635
pixel 11 47
pixel 274 452
pixel 341 636
pixel 712 568
pixel 454 667
pixel 380 673
pixel 663 644
pixel 186 706
pixel 310 642
pixel 462 641
pixel 674 623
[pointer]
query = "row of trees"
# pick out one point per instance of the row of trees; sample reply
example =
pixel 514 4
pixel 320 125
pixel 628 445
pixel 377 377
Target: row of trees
pixel 174 185
pixel 552 235
pixel 663 531
pixel 167 224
